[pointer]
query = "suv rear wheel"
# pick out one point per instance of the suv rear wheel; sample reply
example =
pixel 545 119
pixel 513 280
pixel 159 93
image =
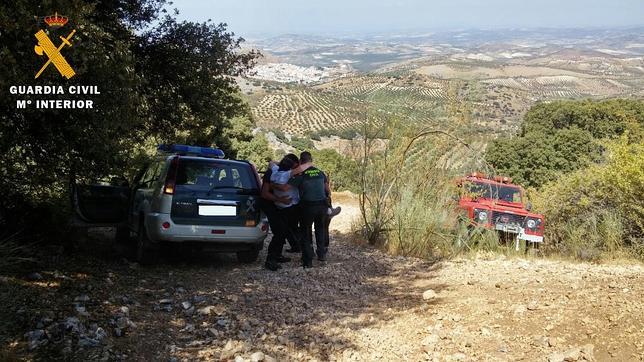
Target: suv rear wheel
pixel 248 256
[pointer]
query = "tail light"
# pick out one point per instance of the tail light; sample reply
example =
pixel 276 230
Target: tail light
pixel 171 178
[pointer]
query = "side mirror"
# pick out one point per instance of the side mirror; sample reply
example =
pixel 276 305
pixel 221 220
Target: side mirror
pixel 528 206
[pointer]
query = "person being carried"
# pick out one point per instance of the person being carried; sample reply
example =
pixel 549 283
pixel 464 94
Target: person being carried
pixel 280 174
pixel 276 221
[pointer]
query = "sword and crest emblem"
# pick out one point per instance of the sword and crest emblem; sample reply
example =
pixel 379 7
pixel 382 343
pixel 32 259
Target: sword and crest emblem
pixel 46 47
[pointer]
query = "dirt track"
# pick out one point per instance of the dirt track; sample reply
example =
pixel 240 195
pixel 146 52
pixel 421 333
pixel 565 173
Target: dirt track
pixel 361 305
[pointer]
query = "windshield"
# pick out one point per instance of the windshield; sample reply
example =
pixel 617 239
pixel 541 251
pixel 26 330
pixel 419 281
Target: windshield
pixel 494 191
pixel 205 175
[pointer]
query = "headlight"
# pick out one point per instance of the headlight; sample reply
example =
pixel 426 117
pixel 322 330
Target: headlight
pixel 531 223
pixel 480 215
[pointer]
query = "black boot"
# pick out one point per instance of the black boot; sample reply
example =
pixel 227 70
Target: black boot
pixel 272 265
pixel 283 259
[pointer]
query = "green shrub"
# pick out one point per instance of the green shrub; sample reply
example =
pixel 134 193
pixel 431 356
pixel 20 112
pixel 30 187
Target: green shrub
pixel 348 134
pixel 341 170
pixel 598 211
pixel 246 146
pixel 302 143
pixel 315 136
pixel 562 137
pixel 592 238
pixel 279 134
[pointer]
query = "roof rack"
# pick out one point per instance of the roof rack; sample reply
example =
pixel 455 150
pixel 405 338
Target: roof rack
pixel 191 150
pixel 499 179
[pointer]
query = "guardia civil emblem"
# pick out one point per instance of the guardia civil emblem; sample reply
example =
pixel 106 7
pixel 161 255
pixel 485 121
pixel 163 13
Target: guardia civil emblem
pixel 46 47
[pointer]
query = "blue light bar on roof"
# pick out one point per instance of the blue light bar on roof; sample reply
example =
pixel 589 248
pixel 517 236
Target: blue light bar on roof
pixel 192 150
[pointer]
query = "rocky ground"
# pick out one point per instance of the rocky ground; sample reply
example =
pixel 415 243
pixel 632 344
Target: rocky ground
pixel 360 305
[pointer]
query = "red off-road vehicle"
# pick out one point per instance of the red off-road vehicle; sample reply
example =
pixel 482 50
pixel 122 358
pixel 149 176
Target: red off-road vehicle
pixel 495 203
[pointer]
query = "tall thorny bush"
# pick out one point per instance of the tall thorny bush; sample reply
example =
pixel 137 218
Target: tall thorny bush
pixel 407 188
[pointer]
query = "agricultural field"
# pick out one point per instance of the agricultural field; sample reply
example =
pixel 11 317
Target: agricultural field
pixel 346 102
pixel 495 103
pixel 490 80
pixel 301 111
pixel 459 157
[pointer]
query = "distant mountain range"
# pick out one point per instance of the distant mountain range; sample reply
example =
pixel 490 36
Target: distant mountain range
pixel 369 52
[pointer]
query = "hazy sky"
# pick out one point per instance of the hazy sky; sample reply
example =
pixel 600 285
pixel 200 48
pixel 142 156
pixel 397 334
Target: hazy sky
pixel 270 17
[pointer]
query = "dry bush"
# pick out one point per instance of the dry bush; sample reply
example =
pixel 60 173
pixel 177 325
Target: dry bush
pixel 407 189
pixel 14 252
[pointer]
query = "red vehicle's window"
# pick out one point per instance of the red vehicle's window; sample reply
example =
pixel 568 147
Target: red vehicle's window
pixel 494 191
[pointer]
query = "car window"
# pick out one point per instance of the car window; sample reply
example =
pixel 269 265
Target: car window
pixel 152 174
pixel 196 175
pixel 159 170
pixel 493 191
pixel 237 180
pixel 146 175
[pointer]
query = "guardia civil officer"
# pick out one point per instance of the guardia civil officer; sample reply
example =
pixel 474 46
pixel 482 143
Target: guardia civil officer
pixel 313 190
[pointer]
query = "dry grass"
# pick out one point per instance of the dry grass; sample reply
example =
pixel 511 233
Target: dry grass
pixel 14 252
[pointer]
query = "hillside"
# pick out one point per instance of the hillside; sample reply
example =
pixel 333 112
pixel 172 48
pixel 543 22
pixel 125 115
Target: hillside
pixel 435 78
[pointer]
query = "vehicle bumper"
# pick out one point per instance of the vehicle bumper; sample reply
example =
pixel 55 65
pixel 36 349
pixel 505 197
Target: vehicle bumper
pixel 521 235
pixel 202 233
pixel 530 238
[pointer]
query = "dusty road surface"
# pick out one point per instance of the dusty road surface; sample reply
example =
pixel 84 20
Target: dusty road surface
pixel 360 305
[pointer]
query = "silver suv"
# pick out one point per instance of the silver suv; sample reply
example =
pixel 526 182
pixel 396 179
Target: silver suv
pixel 185 195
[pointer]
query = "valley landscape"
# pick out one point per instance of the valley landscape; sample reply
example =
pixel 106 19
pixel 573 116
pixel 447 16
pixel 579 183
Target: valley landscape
pixel 308 84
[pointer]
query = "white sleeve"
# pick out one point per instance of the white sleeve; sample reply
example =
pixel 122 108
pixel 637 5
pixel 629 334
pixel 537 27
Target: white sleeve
pixel 281 177
pixel 274 171
pixel 285 176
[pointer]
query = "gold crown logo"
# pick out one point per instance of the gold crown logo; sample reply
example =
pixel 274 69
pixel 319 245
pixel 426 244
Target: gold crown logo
pixel 56 21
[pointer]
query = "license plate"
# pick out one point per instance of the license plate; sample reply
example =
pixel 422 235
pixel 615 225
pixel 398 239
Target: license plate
pixel 511 229
pixel 507 228
pixel 217 210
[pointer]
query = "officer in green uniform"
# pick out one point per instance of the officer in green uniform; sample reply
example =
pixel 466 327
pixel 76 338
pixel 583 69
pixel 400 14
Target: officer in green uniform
pixel 313 200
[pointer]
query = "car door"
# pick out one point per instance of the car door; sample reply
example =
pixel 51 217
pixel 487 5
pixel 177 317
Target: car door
pixel 101 203
pixel 143 191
